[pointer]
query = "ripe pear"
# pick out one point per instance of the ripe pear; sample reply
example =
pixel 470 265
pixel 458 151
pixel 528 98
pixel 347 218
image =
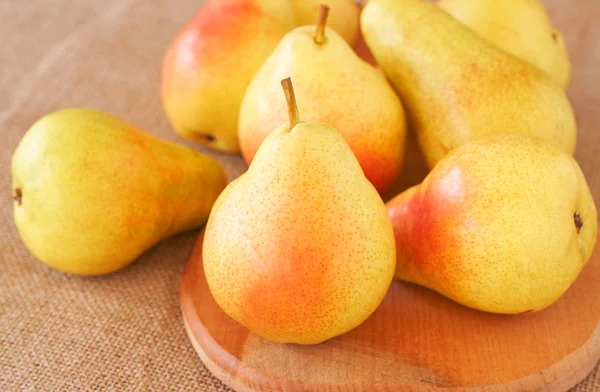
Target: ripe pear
pixel 333 85
pixel 209 65
pixel 456 85
pixel 92 192
pixel 300 248
pixel 503 224
pixel 520 27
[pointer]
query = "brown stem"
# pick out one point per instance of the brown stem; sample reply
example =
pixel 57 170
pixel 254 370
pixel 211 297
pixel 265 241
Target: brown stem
pixel 290 97
pixel 319 36
pixel 18 197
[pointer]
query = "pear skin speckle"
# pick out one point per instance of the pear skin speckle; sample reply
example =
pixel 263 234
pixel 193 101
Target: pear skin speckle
pixel 335 87
pixel 504 224
pixel 93 192
pixel 457 86
pixel 300 248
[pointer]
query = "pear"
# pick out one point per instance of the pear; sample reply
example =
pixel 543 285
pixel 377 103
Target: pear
pixel 300 248
pixel 91 192
pixel 333 85
pixel 503 224
pixel 521 28
pixel 457 86
pixel 210 63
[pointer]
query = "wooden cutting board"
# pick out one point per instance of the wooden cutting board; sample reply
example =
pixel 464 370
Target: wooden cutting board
pixel 416 340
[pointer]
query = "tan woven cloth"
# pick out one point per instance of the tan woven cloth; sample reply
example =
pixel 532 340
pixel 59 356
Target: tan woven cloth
pixel 117 333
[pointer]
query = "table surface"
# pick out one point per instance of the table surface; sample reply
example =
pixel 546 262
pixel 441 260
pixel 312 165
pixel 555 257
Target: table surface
pixel 124 331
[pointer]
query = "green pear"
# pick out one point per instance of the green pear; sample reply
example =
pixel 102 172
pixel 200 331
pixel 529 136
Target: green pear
pixel 456 85
pixel 92 193
pixel 503 224
pixel 520 27
pixel 300 248
pixel 334 86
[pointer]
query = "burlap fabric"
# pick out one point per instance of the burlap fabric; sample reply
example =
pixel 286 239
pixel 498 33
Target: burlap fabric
pixel 122 332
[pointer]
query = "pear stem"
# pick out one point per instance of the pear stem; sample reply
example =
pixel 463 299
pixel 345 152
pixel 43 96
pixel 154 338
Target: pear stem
pixel 290 97
pixel 319 36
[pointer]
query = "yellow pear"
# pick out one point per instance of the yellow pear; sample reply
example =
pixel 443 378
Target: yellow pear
pixel 332 85
pixel 300 248
pixel 504 224
pixel 210 63
pixel 91 192
pixel 456 85
pixel 520 27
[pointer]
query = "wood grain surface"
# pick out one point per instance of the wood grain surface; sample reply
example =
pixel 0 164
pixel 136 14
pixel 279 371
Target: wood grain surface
pixel 417 340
